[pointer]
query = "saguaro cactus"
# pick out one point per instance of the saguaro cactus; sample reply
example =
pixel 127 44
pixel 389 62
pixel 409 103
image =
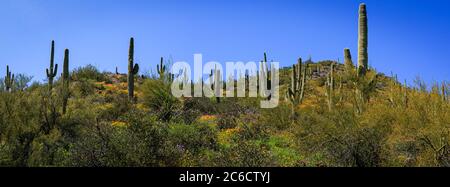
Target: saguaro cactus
pixel 161 68
pixel 330 87
pixel 444 94
pixel 363 58
pixel 65 80
pixel 9 80
pixel 348 63
pixel 265 73
pixel 133 69
pixel 296 92
pixel 405 94
pixel 216 86
pixel 53 69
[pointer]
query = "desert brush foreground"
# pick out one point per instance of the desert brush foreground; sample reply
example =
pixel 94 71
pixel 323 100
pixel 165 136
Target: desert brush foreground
pixel 330 114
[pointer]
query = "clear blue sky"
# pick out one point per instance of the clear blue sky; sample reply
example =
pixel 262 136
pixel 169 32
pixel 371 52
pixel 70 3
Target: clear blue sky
pixel 408 37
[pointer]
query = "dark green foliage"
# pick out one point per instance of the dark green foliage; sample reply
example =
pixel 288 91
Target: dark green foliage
pixel 193 138
pixel 143 143
pixel 247 154
pixel 88 72
pixel 158 97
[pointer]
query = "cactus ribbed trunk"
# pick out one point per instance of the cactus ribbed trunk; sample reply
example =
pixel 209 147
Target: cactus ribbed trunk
pixel 53 69
pixel 348 63
pixel 363 58
pixel 65 80
pixel 405 94
pixel 444 95
pixel 132 70
pixel 9 80
pixel 217 84
pixel 161 68
pixel 265 76
pixel 330 88
pixel 296 92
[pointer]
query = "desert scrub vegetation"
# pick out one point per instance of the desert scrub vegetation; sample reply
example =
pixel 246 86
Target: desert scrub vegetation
pixel 372 121
pixel 332 114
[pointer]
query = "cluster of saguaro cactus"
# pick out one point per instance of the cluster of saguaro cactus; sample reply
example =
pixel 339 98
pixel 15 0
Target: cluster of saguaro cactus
pixel 363 58
pixel 296 92
pixel 161 68
pixel 329 91
pixel 65 80
pixel 185 79
pixel 133 69
pixel 9 80
pixel 53 69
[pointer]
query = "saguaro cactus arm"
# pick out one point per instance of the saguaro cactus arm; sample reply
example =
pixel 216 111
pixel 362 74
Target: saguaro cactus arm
pixel 135 69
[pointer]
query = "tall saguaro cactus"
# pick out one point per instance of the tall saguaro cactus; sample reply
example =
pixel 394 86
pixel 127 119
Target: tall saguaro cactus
pixel 133 69
pixel 405 94
pixel 9 80
pixel 161 68
pixel 216 77
pixel 444 94
pixel 53 69
pixel 265 74
pixel 296 92
pixel 363 58
pixel 330 87
pixel 348 63
pixel 65 80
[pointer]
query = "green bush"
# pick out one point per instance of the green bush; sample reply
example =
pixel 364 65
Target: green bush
pixel 88 72
pixel 158 97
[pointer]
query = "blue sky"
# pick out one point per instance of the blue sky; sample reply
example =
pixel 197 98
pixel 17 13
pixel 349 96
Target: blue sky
pixel 408 37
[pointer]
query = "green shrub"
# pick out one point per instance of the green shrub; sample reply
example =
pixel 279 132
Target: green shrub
pixel 158 97
pixel 88 72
